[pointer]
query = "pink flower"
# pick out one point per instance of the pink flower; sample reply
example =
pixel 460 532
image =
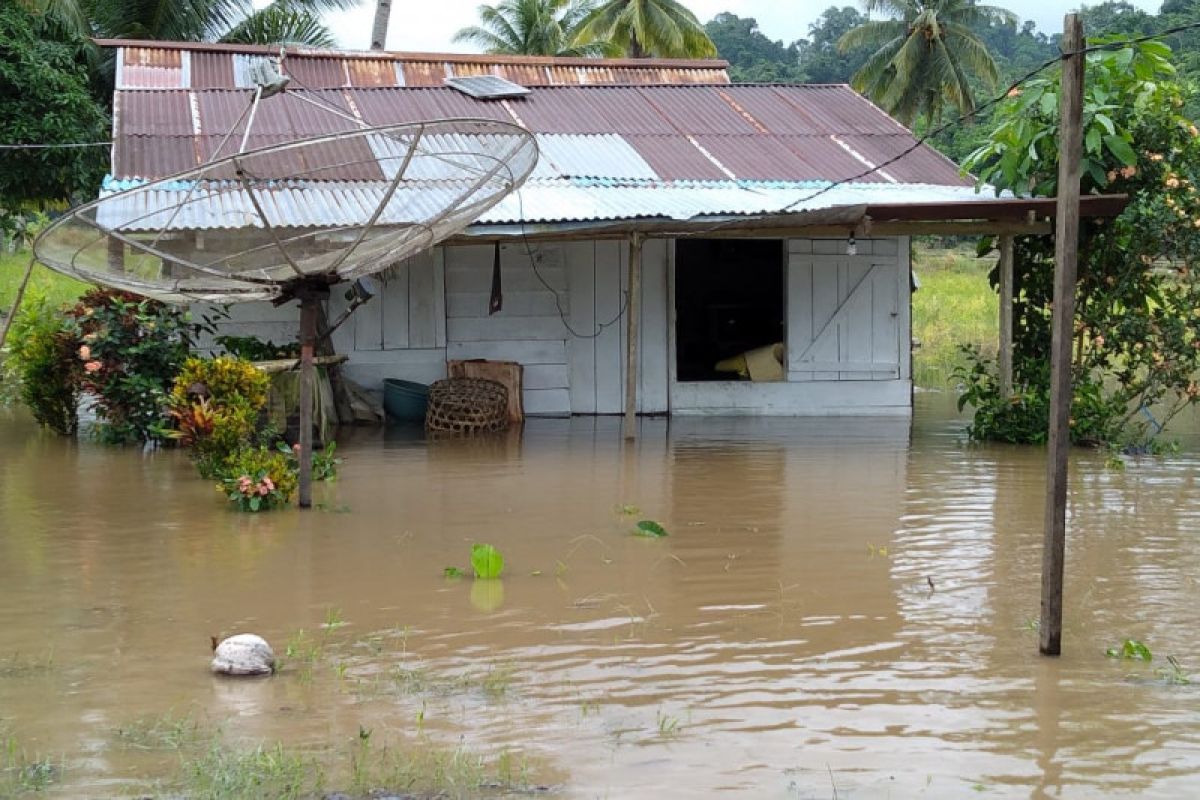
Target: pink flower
pixel 263 491
pixel 92 366
pixel 267 482
pixel 85 352
pixel 296 449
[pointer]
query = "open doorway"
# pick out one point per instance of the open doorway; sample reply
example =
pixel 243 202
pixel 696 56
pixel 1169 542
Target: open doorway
pixel 729 309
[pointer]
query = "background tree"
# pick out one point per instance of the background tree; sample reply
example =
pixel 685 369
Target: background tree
pixel 46 100
pixel 820 57
pixel 648 28
pixel 752 57
pixel 925 53
pixel 534 28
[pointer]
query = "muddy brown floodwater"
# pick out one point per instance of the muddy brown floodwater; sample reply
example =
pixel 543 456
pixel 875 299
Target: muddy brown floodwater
pixel 783 641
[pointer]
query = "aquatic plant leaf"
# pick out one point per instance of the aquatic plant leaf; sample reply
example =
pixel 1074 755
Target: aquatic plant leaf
pixel 650 529
pixel 487 561
pixel 1131 649
pixel 452 572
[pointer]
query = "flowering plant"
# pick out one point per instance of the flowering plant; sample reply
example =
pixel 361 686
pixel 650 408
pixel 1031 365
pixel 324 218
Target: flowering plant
pixel 215 404
pixel 257 479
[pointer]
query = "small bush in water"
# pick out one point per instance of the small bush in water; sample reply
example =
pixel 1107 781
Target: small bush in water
pixel 43 361
pixel 258 479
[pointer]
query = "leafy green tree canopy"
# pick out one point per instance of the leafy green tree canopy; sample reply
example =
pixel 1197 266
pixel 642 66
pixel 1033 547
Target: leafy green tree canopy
pixel 45 100
pixel 1136 352
pixel 752 57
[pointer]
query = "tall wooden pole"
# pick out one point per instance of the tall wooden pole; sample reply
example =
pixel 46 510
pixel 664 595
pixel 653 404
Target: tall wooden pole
pixel 633 308
pixel 1006 316
pixel 1066 231
pixel 309 306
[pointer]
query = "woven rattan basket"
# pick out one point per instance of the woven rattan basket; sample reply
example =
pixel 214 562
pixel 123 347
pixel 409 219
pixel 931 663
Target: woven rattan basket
pixel 467 405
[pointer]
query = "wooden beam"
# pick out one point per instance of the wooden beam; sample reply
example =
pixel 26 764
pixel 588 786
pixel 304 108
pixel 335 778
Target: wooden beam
pixel 1006 316
pixel 668 230
pixel 1066 251
pixel 633 310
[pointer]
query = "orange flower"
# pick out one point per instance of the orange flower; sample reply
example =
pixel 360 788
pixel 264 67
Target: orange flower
pixel 92 366
pixel 1014 92
pixel 85 352
pixel 1128 172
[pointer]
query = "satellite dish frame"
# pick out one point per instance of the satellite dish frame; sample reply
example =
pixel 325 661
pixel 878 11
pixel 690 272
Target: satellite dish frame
pixel 310 289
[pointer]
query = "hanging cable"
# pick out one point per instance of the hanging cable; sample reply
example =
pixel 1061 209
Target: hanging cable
pixel 562 314
pixel 53 146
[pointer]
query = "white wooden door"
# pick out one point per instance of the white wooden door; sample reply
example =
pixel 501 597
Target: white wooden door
pixel 843 317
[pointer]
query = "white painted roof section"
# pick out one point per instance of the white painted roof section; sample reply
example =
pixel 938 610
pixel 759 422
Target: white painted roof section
pixel 296 205
pixel 590 156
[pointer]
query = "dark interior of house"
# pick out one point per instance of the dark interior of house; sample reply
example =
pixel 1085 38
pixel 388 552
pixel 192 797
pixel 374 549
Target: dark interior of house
pixel 728 302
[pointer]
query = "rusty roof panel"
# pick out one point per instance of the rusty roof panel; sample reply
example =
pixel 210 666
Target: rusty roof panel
pixel 775 158
pixel 211 71
pixel 675 158
pixel 153 156
pixel 152 68
pixel 153 113
pixel 371 72
pixel 161 65
pixel 385 107
pixel 608 109
pixel 332 161
pixel 832 109
pixel 923 165
pixel 699 110
pixel 423 73
pixel 316 73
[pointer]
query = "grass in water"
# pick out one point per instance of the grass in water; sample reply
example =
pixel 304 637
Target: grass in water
pixel 955 306
pixel 22 773
pixel 160 732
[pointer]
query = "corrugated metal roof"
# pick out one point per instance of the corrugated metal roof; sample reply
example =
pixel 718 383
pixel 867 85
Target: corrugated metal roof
pixel 608 151
pixel 295 204
pixel 157 65
pixel 622 133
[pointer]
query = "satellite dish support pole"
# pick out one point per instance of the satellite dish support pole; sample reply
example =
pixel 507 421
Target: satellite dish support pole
pixel 310 305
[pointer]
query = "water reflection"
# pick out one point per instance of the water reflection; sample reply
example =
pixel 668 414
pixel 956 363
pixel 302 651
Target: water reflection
pixel 845 603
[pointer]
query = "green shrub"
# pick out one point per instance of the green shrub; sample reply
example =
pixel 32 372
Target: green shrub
pixel 43 358
pixel 131 348
pixel 215 405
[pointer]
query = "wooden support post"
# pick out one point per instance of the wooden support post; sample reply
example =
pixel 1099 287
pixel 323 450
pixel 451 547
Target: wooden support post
pixel 1066 252
pixel 633 308
pixel 1006 316
pixel 309 307
pixel 115 260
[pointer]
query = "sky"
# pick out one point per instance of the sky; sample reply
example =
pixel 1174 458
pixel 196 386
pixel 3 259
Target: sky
pixel 429 25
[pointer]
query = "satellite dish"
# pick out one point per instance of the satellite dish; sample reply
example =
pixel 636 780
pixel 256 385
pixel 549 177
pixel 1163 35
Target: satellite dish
pixel 287 221
pixel 264 223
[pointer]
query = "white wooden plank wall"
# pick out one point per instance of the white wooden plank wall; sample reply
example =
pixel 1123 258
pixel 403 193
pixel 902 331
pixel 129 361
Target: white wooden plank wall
pixel 598 277
pixel 527 330
pixel 845 313
pixel 278 324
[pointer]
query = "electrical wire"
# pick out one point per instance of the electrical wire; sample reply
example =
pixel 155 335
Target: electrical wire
pixel 562 314
pixel 53 146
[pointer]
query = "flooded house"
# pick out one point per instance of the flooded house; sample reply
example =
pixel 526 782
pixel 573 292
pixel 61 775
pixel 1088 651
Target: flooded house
pixel 744 247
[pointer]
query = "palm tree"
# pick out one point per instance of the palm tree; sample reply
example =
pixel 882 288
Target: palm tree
pixel 926 52
pixel 534 28
pixel 645 28
pixel 281 22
